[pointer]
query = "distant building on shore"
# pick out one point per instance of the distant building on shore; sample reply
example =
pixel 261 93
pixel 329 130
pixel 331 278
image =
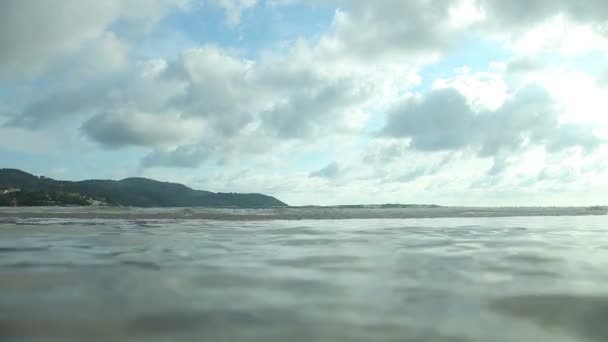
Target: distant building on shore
pixel 9 191
pixel 14 202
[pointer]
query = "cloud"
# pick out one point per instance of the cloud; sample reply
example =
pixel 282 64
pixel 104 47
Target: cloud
pixel 524 64
pixel 287 97
pixel 35 35
pixel 330 171
pixel 437 122
pixel 536 27
pixel 219 86
pixel 99 73
pixel 138 88
pixel 483 90
pixel 238 101
pixel 104 55
pixel 305 111
pixel 116 130
pixel 187 156
pixel 392 32
pixel 58 105
pixel 234 9
pixel 384 151
pixel 520 12
pixel 443 121
pixel 603 81
pixel 306 92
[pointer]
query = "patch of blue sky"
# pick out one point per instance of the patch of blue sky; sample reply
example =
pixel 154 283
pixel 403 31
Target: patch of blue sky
pixel 102 164
pixel 9 98
pixel 375 123
pixel 475 53
pixel 163 42
pixel 33 163
pixel 17 95
pixel 592 63
pixel 261 27
pixel 314 160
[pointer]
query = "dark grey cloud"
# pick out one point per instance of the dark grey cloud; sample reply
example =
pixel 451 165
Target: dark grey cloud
pixel 443 121
pixel 526 12
pixel 115 130
pixel 330 171
pixel 137 89
pixel 61 104
pixel 310 112
pixel 439 121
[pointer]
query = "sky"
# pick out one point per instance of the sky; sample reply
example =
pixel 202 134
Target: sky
pixel 453 102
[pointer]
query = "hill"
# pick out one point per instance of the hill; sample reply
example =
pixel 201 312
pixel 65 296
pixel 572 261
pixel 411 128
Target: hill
pixel 21 188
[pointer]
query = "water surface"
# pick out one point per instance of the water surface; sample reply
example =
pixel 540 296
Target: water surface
pixel 441 279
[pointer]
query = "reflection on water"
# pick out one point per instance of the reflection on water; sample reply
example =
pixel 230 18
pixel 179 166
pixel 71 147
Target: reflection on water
pixel 467 279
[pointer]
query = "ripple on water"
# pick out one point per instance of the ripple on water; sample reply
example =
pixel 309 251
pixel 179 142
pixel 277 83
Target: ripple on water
pixel 23 249
pixel 165 322
pixel 299 241
pixel 313 261
pixel 582 315
pixel 378 280
pixel 146 265
pixel 532 258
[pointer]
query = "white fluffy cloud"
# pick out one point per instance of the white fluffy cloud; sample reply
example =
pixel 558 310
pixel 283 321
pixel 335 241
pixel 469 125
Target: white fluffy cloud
pixel 443 120
pixel 238 98
pixel 359 88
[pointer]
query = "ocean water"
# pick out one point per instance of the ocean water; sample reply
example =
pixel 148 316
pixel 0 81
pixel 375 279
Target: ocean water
pixel 78 274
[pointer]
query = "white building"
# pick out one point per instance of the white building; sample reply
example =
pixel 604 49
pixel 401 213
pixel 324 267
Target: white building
pixel 9 191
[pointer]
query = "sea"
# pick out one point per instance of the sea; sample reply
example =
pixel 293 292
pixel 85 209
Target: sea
pixel 304 274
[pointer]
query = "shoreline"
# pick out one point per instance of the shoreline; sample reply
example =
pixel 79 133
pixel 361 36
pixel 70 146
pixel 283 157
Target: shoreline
pixel 291 213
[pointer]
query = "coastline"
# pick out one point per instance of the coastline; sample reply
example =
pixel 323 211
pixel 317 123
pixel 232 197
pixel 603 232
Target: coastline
pixel 290 213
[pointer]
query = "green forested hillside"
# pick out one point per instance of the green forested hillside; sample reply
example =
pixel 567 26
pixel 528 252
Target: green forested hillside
pixel 136 192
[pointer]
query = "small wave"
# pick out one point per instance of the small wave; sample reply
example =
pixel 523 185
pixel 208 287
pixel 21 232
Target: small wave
pixel 23 249
pixel 58 216
pixel 147 265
